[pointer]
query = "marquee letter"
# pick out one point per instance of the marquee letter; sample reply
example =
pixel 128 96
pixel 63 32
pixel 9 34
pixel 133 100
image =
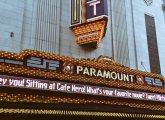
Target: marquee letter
pixel 79 69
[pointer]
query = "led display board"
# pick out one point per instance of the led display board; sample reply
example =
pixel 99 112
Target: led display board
pixel 38 84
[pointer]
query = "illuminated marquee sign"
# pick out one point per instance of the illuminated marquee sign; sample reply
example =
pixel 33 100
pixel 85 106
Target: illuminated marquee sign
pixel 29 83
pixel 88 21
pixel 104 74
pixel 101 77
pixel 102 70
pixel 112 75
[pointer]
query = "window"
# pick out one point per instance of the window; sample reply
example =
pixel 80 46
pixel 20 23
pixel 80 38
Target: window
pixel 152 44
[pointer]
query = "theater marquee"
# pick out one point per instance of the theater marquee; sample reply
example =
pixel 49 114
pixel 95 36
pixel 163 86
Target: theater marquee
pixel 100 77
pixel 102 70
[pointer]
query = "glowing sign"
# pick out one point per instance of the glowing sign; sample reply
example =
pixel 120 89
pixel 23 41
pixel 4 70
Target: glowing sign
pixel 104 74
pixel 38 84
pixel 93 3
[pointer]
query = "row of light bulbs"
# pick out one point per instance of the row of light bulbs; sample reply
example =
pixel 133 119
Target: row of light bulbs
pixel 52 99
pixel 79 113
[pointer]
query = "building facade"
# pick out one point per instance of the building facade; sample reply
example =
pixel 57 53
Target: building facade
pixel 82 58
pixel 45 26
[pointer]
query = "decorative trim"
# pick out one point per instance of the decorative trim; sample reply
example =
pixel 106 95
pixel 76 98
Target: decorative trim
pixel 90 33
pixel 79 113
pixel 75 12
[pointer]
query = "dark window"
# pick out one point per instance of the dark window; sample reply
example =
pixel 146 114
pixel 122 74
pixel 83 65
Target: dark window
pixel 152 44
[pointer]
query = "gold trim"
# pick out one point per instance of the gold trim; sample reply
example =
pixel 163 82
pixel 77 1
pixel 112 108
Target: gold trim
pixel 75 12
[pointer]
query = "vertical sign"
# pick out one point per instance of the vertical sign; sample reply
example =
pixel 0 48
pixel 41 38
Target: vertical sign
pixel 96 8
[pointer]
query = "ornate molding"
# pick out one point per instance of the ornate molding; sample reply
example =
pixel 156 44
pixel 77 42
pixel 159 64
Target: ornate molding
pixel 90 33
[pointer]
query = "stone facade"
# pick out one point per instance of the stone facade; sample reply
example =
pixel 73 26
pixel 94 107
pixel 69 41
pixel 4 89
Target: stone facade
pixel 44 25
